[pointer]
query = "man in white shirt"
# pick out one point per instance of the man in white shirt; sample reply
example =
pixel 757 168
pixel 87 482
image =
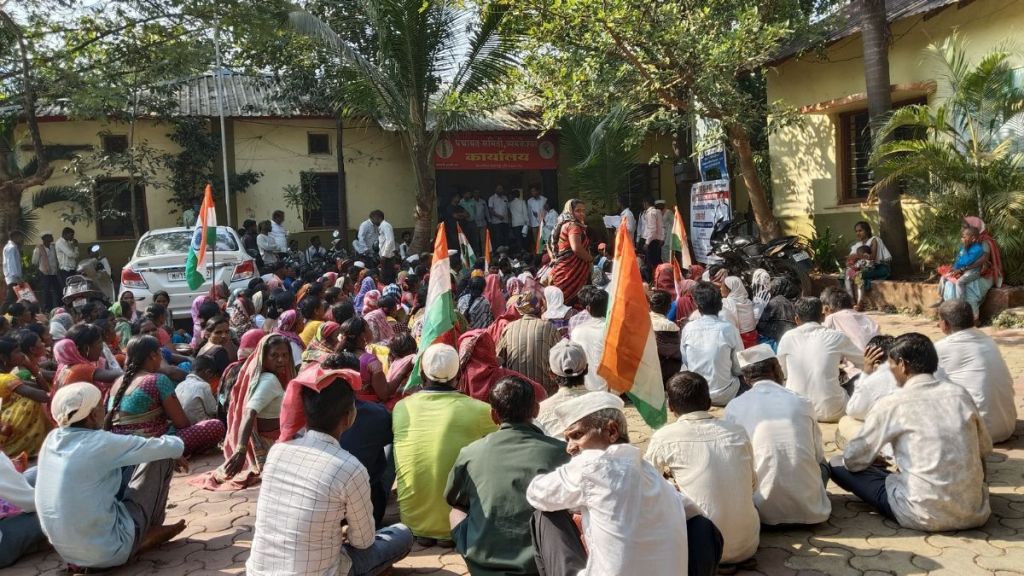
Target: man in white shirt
pixel 811 354
pixel 498 213
pixel 634 522
pixel 385 238
pixel 12 265
pixel 840 315
pixel 278 231
pixel 367 237
pixel 626 217
pixel 535 209
pixel 568 361
pixel 875 383
pixel 590 334
pixel 652 233
pixel 315 250
pixel 709 345
pixel 970 358
pixel 267 245
pixel 711 462
pixel 67 254
pixel 20 533
pixel 310 485
pixel 789 457
pixel 44 257
pixel 518 218
pixel 939 442
pixel 667 221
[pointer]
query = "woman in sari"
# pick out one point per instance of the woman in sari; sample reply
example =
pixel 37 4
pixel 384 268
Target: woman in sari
pixel 570 246
pixel 738 309
pixel 288 327
pixel 402 357
pixel 246 346
pixel 479 370
pixel 255 412
pixel 991 268
pixel 143 402
pixel 474 306
pixel 858 281
pixel 218 334
pixel 556 311
pixel 125 307
pixel 23 415
pixel 220 292
pixel 371 301
pixel 78 356
pixel 60 323
pixel 375 386
pixel 241 312
pixel 494 295
pixel 323 344
pixel 382 331
pixel 367 284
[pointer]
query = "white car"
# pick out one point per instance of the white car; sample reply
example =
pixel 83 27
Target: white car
pixel 158 263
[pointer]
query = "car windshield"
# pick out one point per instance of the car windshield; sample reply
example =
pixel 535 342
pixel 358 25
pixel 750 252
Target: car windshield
pixel 178 243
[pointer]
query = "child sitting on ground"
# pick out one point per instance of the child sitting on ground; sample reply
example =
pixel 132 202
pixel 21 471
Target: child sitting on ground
pixel 196 393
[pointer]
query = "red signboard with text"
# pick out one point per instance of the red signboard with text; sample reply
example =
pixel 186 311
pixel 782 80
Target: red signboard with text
pixel 496 151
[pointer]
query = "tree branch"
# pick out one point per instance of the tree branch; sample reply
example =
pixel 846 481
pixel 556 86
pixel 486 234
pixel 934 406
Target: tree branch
pixel 43 168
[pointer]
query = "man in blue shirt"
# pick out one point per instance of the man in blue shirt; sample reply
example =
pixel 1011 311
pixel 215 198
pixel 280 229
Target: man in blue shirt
pixel 92 519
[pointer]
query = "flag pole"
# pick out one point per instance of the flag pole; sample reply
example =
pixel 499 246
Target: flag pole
pixel 219 83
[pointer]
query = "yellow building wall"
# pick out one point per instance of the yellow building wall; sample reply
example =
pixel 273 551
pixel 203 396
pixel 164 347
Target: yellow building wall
pixel 377 169
pixel 803 159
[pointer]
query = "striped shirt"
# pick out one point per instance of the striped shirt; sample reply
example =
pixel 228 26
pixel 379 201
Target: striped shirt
pixel 524 347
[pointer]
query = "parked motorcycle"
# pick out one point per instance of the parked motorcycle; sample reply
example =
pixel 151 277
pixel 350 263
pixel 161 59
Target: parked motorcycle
pixel 96 268
pixel 743 253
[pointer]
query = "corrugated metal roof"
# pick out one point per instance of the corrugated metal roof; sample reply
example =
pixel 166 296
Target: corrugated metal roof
pixel 248 96
pixel 847 20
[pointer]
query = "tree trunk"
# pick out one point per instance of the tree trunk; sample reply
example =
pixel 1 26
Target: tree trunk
pixel 875 37
pixel 10 200
pixel 766 222
pixel 423 169
pixel 131 177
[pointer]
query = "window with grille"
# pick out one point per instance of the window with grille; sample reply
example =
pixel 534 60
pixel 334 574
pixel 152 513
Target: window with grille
pixel 855 177
pixel 318 143
pixel 325 186
pixel 114 143
pixel 114 209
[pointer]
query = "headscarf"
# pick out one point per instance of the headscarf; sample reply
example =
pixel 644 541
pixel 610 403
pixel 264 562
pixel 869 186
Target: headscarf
pixel 492 291
pixel 329 278
pixel 74 402
pixel 366 284
pixel 197 322
pixel 250 340
pixel 286 326
pixel 556 309
pixel 737 291
pixel 248 376
pixel 60 324
pixel 67 354
pixel 567 215
pixel 318 348
pixel 302 292
pixel 529 283
pixel 497 328
pixel 370 301
pixel 664 279
pixel 513 286
pixel 379 327
pixel 528 304
pixel 393 290
pixel 314 377
pixel 995 258
pixel 479 370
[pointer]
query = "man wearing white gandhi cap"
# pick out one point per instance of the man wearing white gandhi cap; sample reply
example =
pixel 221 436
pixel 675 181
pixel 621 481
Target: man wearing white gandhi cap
pixel 88 513
pixel 634 521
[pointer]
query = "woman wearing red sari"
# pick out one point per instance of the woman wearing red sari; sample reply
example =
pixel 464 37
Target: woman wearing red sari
pixel 570 246
pixel 479 370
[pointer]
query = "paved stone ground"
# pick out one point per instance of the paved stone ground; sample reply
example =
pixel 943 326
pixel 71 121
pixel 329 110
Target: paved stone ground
pixel 853 542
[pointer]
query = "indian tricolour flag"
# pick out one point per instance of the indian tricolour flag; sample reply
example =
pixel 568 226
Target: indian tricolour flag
pixel 205 234
pixel 679 242
pixel 630 360
pixel 487 249
pixel 439 312
pixel 542 239
pixel 465 249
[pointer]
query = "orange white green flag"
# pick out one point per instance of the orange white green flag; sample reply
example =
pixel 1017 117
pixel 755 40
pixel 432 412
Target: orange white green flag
pixel 487 249
pixel 465 249
pixel 439 312
pixel 679 241
pixel 630 360
pixel 205 234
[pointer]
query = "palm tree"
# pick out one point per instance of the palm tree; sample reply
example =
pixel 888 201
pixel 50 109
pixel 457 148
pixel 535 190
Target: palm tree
pixel 875 36
pixel 430 59
pixel 969 155
pixel 601 152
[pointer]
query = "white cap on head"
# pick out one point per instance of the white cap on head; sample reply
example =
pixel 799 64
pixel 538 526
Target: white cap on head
pixel 440 363
pixel 755 354
pixel 74 402
pixel 359 264
pixel 45 233
pixel 413 258
pixel 580 407
pixel 659 202
pixel 567 359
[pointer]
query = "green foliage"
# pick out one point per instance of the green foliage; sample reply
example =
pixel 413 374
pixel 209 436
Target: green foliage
pixel 968 159
pixel 824 248
pixel 304 199
pixel 601 152
pixel 198 163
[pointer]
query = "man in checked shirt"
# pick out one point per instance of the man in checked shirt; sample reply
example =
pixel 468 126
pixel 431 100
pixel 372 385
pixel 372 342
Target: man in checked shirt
pixel 309 486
